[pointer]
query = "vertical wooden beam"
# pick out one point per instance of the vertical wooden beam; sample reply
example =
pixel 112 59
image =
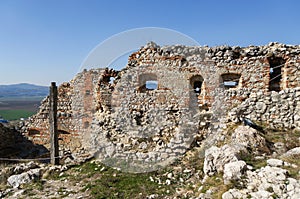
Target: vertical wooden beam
pixel 54 159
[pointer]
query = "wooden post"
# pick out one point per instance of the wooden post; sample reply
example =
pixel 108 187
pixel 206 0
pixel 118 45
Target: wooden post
pixel 53 125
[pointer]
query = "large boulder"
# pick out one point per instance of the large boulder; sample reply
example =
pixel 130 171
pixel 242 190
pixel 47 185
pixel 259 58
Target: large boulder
pixel 234 171
pixel 16 180
pixel 249 138
pixel 275 162
pixel 291 153
pixel 216 158
pixel 234 194
pixel 243 139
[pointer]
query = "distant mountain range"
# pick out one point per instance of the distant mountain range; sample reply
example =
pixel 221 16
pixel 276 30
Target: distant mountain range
pixel 23 90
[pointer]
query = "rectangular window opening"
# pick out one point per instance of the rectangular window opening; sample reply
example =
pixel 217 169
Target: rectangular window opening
pixel 276 65
pixel 230 80
pixel 151 85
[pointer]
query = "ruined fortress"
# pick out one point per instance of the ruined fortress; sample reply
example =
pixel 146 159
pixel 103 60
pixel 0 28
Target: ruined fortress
pixel 165 96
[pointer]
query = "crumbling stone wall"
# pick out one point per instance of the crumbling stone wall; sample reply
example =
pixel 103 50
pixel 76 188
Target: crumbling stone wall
pixel 107 117
pixel 78 100
pixel 251 63
pixel 145 124
pixel 276 110
pixel 37 127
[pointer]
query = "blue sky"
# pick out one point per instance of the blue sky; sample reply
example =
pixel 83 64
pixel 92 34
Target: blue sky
pixel 43 41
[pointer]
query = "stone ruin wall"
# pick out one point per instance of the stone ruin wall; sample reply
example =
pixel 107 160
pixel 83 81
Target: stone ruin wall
pixel 274 110
pixel 89 105
pixel 78 100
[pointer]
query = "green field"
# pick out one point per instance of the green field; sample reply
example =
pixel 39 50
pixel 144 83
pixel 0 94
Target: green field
pixel 15 114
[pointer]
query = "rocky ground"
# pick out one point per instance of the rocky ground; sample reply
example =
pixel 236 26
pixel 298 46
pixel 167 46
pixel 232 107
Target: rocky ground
pixel 241 163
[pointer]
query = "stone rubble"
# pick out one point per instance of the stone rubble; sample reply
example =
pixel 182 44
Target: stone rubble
pixel 216 158
pixel 267 182
pixel 243 139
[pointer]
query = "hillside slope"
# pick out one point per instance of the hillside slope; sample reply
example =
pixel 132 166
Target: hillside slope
pixel 23 90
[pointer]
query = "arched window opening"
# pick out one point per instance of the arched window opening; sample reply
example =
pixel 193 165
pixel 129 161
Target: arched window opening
pixel 196 83
pixel 108 79
pixel 147 82
pixel 230 80
pixel 276 65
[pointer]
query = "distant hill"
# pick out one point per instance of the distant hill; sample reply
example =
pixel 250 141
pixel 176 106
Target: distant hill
pixel 23 90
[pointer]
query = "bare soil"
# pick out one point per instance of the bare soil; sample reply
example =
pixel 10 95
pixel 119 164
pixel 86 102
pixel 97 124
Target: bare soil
pixel 29 105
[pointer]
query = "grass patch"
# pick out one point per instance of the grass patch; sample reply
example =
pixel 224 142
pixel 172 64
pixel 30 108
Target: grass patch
pixel 124 186
pixel 30 188
pixel 216 184
pixel 289 138
pixel 115 184
pixel 255 163
pixel 293 172
pixel 15 114
pixel 105 182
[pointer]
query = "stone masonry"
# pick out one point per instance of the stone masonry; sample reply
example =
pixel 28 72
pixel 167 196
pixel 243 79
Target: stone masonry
pixel 153 108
